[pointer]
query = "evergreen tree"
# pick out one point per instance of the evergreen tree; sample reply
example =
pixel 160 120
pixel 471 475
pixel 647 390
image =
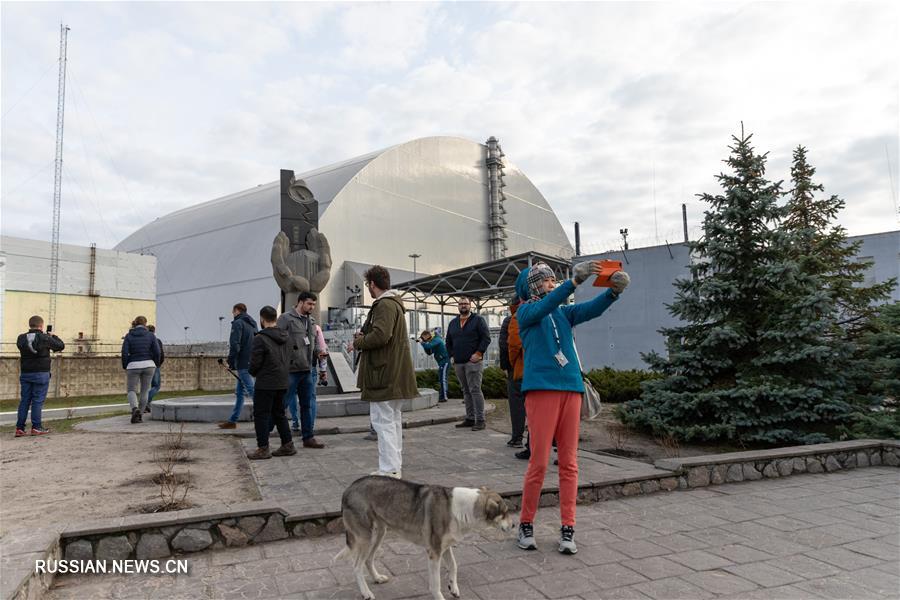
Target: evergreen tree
pixel 821 249
pixel 752 362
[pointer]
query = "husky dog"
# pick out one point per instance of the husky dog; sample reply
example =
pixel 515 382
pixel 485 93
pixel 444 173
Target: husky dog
pixel 430 516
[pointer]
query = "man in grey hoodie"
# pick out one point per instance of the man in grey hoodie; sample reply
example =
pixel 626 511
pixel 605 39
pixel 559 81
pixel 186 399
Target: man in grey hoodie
pixel 301 327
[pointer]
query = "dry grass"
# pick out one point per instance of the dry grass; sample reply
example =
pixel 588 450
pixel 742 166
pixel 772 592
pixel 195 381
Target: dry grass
pixel 173 487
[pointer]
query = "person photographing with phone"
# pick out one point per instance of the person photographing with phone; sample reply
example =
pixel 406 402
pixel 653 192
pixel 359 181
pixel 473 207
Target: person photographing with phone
pixel 553 386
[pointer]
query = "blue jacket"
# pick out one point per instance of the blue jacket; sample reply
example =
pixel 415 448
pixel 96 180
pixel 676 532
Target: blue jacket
pixel 140 344
pixel 463 342
pixel 542 371
pixel 437 347
pixel 243 328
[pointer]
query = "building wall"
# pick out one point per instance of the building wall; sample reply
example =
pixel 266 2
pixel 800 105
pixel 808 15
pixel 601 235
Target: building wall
pixel 74 318
pixel 125 285
pixel 631 325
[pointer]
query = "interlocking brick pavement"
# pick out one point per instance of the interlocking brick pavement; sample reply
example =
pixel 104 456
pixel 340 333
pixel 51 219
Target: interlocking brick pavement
pixel 743 558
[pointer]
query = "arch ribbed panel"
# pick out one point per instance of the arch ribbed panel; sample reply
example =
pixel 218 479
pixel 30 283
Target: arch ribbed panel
pixel 427 196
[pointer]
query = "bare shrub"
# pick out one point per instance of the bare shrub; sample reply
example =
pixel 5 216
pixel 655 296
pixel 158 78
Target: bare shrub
pixel 619 435
pixel 669 444
pixel 173 488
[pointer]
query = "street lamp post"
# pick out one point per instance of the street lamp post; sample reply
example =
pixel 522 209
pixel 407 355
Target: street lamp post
pixel 220 327
pixel 415 256
pixel 186 327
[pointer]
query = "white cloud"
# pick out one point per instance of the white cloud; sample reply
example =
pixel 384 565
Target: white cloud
pixel 174 104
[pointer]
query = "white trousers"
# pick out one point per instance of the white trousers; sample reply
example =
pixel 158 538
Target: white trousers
pixel 388 425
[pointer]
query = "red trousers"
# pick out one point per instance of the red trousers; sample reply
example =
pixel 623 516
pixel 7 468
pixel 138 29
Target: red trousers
pixel 552 414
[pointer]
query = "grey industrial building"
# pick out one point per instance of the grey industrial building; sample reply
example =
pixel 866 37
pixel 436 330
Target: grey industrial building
pixel 438 197
pixel 631 325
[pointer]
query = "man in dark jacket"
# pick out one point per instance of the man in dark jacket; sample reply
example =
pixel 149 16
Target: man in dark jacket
pixel 467 340
pixel 385 375
pixel 269 358
pixel 140 358
pixel 34 348
pixel 243 328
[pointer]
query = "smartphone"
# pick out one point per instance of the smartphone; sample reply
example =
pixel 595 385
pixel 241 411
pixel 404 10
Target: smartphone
pixel 49 328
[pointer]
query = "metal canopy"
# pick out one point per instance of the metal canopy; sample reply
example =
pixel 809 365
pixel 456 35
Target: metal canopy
pixel 493 280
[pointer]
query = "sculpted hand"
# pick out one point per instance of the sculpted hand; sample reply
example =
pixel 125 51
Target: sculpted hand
pixel 287 266
pixel 619 281
pixel 583 270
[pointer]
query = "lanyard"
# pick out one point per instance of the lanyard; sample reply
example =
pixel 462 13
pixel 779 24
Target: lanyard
pixel 555 333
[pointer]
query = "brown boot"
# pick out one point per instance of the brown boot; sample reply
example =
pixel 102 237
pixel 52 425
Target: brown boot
pixel 285 450
pixel 259 454
pixel 313 443
pixel 227 425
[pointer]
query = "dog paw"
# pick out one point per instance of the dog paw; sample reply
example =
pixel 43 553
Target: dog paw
pixel 454 590
pixel 379 578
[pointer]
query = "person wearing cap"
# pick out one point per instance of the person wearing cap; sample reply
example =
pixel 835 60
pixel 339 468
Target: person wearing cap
pixel 553 385
pixel 434 346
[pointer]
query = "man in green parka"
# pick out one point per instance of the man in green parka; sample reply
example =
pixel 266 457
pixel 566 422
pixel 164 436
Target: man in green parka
pixel 385 374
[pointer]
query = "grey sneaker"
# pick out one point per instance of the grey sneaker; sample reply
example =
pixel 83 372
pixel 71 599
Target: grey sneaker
pixel 567 540
pixel 525 539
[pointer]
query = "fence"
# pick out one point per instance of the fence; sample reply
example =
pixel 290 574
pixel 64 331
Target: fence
pixel 100 375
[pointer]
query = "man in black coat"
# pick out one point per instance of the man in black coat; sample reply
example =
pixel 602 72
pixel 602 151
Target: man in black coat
pixel 269 359
pixel 243 328
pixel 467 340
pixel 34 381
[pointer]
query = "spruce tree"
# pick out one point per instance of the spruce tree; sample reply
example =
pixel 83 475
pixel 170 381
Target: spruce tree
pixel 751 363
pixel 821 248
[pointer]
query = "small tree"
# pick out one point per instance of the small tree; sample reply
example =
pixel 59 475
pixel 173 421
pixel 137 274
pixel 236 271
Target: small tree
pixel 752 362
pixel 821 249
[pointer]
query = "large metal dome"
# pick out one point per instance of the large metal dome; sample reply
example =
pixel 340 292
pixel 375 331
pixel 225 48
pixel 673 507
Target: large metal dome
pixel 428 196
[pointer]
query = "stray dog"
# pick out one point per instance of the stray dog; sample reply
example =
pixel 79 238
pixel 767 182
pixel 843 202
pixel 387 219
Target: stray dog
pixel 430 516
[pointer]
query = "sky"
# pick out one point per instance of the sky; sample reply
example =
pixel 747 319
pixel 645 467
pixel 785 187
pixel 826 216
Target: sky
pixel 617 112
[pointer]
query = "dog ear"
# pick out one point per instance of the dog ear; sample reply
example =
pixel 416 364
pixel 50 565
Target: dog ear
pixel 491 509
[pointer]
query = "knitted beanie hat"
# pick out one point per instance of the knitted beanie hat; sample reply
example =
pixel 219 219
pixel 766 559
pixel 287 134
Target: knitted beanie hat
pixel 536 276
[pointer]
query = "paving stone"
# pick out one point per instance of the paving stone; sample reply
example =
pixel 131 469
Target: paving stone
pixel 243 588
pixel 876 549
pixel 238 555
pixel 639 549
pixel 612 575
pixel 672 588
pixel 294 583
pixel 836 587
pixel 559 585
pixel 598 554
pixel 720 582
pixel 700 560
pixel 509 589
pixel 878 581
pixel 739 554
pixel 762 574
pixel 678 542
pixel 843 558
pixel 656 567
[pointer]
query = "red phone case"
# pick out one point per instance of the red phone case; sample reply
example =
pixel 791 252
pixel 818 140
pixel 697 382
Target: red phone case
pixel 607 268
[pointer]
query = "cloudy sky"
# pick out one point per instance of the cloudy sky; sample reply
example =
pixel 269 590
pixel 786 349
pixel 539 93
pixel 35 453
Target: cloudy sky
pixel 618 112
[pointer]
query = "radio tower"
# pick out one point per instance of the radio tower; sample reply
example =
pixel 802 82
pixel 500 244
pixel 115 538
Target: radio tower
pixel 57 176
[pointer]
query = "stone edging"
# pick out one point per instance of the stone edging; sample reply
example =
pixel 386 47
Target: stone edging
pixel 162 535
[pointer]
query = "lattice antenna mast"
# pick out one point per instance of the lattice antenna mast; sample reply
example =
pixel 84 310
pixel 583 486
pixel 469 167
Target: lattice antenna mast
pixel 57 176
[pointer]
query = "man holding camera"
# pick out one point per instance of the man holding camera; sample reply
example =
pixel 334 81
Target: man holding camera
pixel 434 346
pixel 243 328
pixel 34 348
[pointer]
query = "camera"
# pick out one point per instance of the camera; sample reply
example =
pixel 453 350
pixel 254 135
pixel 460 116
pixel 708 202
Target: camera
pixel 49 328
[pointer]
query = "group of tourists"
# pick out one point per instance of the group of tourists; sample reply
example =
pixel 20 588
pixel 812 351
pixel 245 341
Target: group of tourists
pixel 275 363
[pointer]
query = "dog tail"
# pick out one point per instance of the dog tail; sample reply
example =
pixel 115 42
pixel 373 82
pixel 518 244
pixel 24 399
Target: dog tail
pixel 345 551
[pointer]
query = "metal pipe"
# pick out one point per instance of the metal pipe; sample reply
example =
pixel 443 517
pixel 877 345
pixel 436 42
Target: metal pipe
pixel 684 221
pixel 577 239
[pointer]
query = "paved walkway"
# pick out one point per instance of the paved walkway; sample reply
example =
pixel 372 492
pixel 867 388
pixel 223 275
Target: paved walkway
pixel 313 480
pixel 808 536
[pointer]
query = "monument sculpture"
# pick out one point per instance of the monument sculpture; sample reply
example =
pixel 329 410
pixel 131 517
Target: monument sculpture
pixel 301 256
